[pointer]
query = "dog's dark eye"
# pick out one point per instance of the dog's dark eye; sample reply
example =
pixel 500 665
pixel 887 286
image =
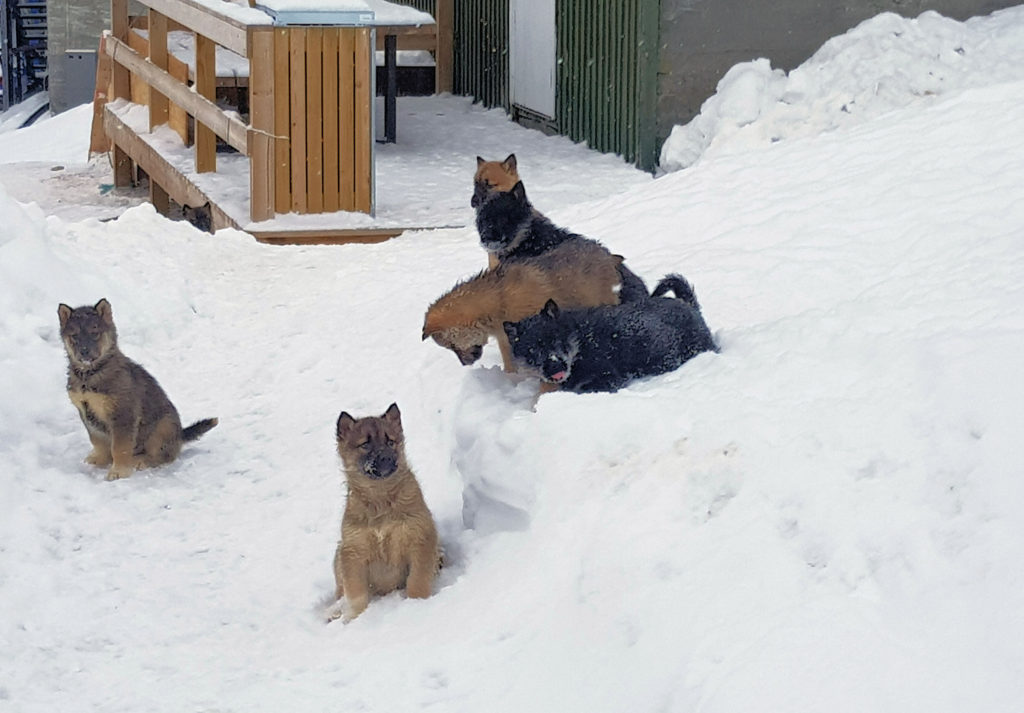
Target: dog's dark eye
pixel 389 440
pixel 364 445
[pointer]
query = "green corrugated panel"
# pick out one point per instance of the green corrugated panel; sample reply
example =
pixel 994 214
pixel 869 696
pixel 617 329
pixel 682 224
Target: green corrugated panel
pixel 607 73
pixel 481 51
pixel 480 48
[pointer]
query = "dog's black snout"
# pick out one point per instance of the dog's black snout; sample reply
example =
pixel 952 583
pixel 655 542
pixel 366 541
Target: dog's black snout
pixel 381 465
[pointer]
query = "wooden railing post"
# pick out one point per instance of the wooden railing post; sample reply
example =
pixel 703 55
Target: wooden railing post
pixel 261 125
pixel 158 104
pixel 205 86
pixel 444 59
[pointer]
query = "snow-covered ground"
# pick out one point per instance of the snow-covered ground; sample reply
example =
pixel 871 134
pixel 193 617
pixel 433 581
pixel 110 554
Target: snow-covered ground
pixel 826 516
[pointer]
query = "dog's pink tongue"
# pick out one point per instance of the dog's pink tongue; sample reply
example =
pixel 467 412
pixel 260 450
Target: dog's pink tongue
pixel 558 376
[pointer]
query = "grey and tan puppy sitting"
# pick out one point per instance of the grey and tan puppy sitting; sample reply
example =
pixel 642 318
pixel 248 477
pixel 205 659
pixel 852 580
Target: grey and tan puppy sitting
pixel 388 536
pixel 130 421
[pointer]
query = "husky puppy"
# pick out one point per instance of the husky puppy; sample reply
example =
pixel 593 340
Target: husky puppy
pixel 577 273
pixel 388 537
pixel 493 177
pixel 604 348
pixel 130 421
pixel 511 228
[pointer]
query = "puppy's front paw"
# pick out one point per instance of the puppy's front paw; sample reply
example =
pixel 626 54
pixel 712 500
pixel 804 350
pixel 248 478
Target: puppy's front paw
pixel 335 611
pixel 120 471
pixel 98 458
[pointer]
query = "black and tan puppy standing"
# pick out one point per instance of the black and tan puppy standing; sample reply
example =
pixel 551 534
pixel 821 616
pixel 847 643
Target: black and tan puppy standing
pixel 388 537
pixel 130 421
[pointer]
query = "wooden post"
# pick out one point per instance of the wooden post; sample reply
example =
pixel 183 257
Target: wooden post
pixel 205 86
pixel 390 88
pixel 314 120
pixel 444 57
pixel 282 123
pixel 261 108
pixel 119 29
pixel 98 141
pixel 158 104
pixel 346 119
pixel 331 137
pixel 364 65
pixel 297 77
pixel 159 198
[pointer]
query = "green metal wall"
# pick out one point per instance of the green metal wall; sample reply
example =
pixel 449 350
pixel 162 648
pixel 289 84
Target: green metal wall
pixel 607 75
pixel 480 48
pixel 606 89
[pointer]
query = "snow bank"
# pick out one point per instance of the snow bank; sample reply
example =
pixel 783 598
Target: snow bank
pixel 884 63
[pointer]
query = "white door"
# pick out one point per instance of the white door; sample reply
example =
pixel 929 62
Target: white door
pixel 532 55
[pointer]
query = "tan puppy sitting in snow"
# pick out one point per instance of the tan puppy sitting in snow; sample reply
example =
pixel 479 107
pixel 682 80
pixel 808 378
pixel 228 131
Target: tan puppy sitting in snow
pixel 388 536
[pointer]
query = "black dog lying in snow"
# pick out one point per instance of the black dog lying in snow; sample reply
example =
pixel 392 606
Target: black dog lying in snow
pixel 604 348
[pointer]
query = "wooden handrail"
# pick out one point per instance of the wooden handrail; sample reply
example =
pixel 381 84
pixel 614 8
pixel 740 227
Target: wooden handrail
pixel 225 31
pixel 233 131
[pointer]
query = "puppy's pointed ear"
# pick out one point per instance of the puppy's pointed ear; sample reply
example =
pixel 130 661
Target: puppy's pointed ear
pixel 64 313
pixel 479 162
pixel 345 424
pixel 393 416
pixel 104 310
pixel 519 191
pixel 550 310
pixel 509 164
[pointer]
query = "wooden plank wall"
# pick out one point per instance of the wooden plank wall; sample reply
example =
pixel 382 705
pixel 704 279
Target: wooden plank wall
pixel 321 120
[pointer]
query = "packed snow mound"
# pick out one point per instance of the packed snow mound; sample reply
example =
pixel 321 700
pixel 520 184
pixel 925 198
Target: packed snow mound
pixel 884 63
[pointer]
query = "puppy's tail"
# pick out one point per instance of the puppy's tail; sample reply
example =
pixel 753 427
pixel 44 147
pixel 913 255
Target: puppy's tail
pixel 197 429
pixel 679 286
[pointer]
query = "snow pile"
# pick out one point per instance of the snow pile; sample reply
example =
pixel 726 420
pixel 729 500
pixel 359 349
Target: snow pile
pixel 884 63
pixel 826 516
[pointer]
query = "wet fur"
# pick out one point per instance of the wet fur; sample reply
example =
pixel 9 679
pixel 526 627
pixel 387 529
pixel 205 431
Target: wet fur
pixel 604 348
pixel 577 273
pixel 128 417
pixel 388 537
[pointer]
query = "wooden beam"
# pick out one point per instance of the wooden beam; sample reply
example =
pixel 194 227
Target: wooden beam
pixel 328 237
pixel 177 186
pixel 364 65
pixel 346 119
pixel 158 103
pixel 297 78
pixel 228 128
pixel 177 117
pixel 330 129
pixel 282 123
pixel 261 135
pixel 444 56
pixel 206 87
pixel 314 120
pixel 119 29
pixel 225 31
pixel 98 141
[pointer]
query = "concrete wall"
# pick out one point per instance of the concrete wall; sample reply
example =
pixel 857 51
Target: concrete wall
pixel 701 39
pixel 71 25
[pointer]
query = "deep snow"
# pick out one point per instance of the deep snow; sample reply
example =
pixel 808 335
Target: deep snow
pixel 826 516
